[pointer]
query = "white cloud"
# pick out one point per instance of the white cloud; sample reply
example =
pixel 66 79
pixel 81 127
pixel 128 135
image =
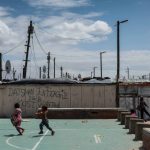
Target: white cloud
pixel 77 31
pixel 4 11
pixel 58 3
pixel 7 34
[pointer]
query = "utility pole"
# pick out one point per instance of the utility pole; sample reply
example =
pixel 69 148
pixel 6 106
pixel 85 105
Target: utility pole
pixel 94 71
pixel 48 61
pixel 54 67
pixel 40 74
pixel 101 71
pixel 1 67
pixel 66 74
pixel 20 76
pixel 61 71
pixel 128 72
pixel 30 31
pixel 14 73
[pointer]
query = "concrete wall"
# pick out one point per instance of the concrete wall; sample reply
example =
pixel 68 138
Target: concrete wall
pixel 33 96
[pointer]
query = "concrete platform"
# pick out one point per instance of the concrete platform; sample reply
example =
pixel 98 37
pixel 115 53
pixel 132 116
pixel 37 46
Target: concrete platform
pixel 132 124
pixel 82 113
pixel 139 129
pixel 123 114
pixel 146 138
pixel 119 113
pixel 127 120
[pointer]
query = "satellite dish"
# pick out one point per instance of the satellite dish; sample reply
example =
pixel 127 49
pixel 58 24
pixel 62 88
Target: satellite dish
pixel 8 66
pixel 79 76
pixel 44 69
pixel 44 76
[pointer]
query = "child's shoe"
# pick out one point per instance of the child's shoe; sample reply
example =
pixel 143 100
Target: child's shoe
pixel 52 133
pixel 22 131
pixel 41 132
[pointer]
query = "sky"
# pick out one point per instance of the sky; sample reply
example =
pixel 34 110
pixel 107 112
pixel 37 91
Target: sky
pixel 75 32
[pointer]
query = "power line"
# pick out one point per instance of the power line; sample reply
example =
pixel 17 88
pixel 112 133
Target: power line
pixel 53 53
pixel 73 55
pixel 40 43
pixel 34 58
pixel 14 47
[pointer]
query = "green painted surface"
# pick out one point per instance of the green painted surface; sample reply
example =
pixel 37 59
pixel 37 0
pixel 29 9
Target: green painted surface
pixel 94 134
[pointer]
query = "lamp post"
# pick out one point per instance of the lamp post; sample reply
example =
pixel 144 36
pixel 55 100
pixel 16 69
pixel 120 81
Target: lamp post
pixel 118 61
pixel 0 66
pixel 91 74
pixel 101 73
pixel 94 71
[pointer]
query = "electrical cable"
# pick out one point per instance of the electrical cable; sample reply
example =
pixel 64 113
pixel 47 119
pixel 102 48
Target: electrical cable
pixel 39 43
pixel 34 58
pixel 14 47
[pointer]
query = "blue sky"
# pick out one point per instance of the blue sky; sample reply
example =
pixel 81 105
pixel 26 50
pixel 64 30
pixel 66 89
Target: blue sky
pixel 75 31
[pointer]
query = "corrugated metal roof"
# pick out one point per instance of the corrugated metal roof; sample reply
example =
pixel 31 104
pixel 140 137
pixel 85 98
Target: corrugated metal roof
pixel 43 81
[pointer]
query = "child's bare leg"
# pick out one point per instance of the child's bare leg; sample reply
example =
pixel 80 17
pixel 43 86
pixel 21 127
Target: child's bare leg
pixel 41 128
pixel 19 130
pixel 48 127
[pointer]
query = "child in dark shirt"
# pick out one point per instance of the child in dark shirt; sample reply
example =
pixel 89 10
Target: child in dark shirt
pixel 142 108
pixel 43 115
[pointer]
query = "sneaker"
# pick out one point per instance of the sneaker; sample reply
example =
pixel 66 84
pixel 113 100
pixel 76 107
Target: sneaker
pixel 41 132
pixel 22 131
pixel 52 133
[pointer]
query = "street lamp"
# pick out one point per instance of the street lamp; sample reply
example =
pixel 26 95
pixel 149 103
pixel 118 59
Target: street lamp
pixel 101 63
pixel 118 61
pixel 91 74
pixel 118 47
pixel 94 71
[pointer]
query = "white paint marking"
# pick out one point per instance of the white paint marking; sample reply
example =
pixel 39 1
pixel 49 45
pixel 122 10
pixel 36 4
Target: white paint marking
pixel 36 145
pixel 97 138
pixel 14 146
pixel 25 120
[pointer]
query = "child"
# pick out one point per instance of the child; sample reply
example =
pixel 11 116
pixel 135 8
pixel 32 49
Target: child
pixel 142 108
pixel 16 118
pixel 43 115
pixel 133 113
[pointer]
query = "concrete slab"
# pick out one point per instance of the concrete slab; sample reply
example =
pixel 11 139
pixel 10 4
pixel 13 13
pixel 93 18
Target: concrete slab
pixel 82 113
pixel 119 113
pixel 139 129
pixel 127 119
pixel 146 138
pixel 123 114
pixel 132 124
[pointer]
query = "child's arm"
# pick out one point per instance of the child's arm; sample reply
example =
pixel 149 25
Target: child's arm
pixel 145 104
pixel 39 113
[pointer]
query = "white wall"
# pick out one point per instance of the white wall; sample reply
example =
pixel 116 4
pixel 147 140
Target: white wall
pixel 33 96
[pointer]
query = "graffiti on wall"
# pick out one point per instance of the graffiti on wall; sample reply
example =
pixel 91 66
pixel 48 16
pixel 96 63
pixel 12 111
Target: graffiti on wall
pixel 33 98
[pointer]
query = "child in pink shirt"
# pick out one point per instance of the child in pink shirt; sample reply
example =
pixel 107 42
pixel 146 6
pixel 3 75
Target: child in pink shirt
pixel 133 113
pixel 16 118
